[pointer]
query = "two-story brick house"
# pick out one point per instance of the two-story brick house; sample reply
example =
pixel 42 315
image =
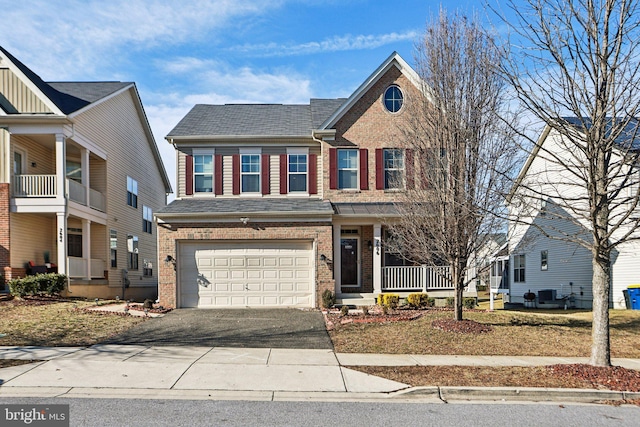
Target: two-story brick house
pixel 276 203
pixel 80 180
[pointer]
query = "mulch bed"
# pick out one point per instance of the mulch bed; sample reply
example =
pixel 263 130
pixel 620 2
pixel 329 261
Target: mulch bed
pixel 333 318
pixel 610 378
pixel 461 326
pixel 31 300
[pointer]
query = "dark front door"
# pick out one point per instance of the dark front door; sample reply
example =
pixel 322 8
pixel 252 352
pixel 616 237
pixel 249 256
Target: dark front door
pixel 349 262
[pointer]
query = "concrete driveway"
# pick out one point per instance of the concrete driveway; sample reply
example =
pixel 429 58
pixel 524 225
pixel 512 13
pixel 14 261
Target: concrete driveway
pixel 245 328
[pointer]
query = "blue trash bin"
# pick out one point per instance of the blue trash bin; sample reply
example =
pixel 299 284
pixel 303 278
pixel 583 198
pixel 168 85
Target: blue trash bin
pixel 634 297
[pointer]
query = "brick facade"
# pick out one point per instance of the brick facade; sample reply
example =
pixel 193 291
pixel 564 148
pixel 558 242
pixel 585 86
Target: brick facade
pixel 170 234
pixel 5 238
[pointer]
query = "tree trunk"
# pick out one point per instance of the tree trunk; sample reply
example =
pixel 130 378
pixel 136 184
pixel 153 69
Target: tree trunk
pixel 600 348
pixel 458 282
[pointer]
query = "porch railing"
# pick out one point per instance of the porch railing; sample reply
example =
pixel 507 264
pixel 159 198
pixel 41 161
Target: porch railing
pixel 34 186
pixel 78 268
pixel 78 193
pixel 420 277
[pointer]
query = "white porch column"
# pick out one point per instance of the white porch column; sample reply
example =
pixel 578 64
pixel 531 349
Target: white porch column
pixel 61 171
pixel 84 173
pixel 337 275
pixel 61 242
pixel 377 258
pixel 86 246
pixel 5 155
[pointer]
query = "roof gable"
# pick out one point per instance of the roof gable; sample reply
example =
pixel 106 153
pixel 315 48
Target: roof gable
pixel 394 60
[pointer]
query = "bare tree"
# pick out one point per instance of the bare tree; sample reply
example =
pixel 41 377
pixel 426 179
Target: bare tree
pixel 461 149
pixel 574 66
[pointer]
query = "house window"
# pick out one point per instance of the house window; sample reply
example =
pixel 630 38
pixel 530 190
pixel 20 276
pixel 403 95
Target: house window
pixel 203 173
pixel 544 260
pixel 132 192
pixel 132 250
pixel 393 168
pixel 348 169
pixel 147 269
pixel 74 242
pixel 297 173
pixel 74 170
pixel 250 173
pixel 393 99
pixel 113 247
pixel 147 219
pixel 518 268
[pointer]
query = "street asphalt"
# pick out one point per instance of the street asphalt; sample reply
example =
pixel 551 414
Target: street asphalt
pixel 246 328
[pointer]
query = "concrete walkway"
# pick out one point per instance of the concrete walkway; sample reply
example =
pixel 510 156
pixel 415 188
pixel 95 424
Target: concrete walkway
pixel 188 372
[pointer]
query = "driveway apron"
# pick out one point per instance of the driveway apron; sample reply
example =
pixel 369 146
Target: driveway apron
pixel 246 328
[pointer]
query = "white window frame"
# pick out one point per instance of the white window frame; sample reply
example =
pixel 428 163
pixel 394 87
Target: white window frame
pixel 133 252
pixel 23 160
pixel 356 168
pixel 522 278
pixel 544 260
pixel 401 184
pixel 147 219
pixel 208 152
pixel 297 152
pixel 251 152
pixel 132 188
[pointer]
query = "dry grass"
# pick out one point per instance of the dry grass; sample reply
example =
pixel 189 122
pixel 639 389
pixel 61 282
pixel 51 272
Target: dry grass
pixel 57 323
pixel 515 333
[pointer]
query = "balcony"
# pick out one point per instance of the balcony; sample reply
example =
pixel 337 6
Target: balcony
pixel 44 186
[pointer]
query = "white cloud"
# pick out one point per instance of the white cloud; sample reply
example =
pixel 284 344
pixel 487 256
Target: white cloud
pixel 77 37
pixel 333 44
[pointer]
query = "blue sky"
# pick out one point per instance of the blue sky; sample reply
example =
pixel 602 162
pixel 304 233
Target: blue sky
pixel 180 53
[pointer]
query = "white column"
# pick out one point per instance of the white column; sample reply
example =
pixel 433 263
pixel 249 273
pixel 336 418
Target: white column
pixel 61 169
pixel 84 171
pixel 6 165
pixel 337 275
pixel 61 241
pixel 377 258
pixel 86 247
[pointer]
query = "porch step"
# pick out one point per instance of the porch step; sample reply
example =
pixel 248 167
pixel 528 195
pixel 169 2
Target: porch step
pixel 355 299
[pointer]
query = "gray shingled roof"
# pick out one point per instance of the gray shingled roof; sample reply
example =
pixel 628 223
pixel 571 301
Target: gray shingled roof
pixel 221 206
pixel 365 209
pixel 68 96
pixel 255 119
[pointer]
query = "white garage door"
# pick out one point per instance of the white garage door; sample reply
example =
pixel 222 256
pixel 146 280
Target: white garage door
pixel 248 274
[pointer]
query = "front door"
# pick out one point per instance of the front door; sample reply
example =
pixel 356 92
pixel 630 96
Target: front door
pixel 349 262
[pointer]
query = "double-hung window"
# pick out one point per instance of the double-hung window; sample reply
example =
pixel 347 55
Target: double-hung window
pixel 147 219
pixel 348 169
pixel 518 268
pixel 132 192
pixel 298 170
pixel 393 168
pixel 202 173
pixel 250 173
pixel 132 251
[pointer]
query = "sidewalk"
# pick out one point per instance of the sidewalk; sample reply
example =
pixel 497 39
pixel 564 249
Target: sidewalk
pixel 134 371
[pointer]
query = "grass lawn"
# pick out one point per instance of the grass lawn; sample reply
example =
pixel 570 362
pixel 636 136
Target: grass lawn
pixel 515 333
pixel 57 323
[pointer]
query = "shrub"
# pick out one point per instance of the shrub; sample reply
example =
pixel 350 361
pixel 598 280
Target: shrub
pixel 328 298
pixel 431 302
pixel 469 303
pixel 344 310
pixel 365 309
pixel 418 300
pixel 389 300
pixel 49 283
pixel 449 302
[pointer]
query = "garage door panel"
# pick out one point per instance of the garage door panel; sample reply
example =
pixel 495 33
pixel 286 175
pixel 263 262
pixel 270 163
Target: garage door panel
pixel 253 274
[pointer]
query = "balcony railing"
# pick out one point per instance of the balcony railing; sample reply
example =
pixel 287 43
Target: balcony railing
pixel 78 268
pixel 34 186
pixel 78 194
pixel 412 278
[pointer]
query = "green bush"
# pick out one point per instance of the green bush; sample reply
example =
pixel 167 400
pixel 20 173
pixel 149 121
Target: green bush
pixel 469 303
pixel 344 310
pixel 418 300
pixel 449 302
pixel 431 302
pixel 328 299
pixel 49 284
